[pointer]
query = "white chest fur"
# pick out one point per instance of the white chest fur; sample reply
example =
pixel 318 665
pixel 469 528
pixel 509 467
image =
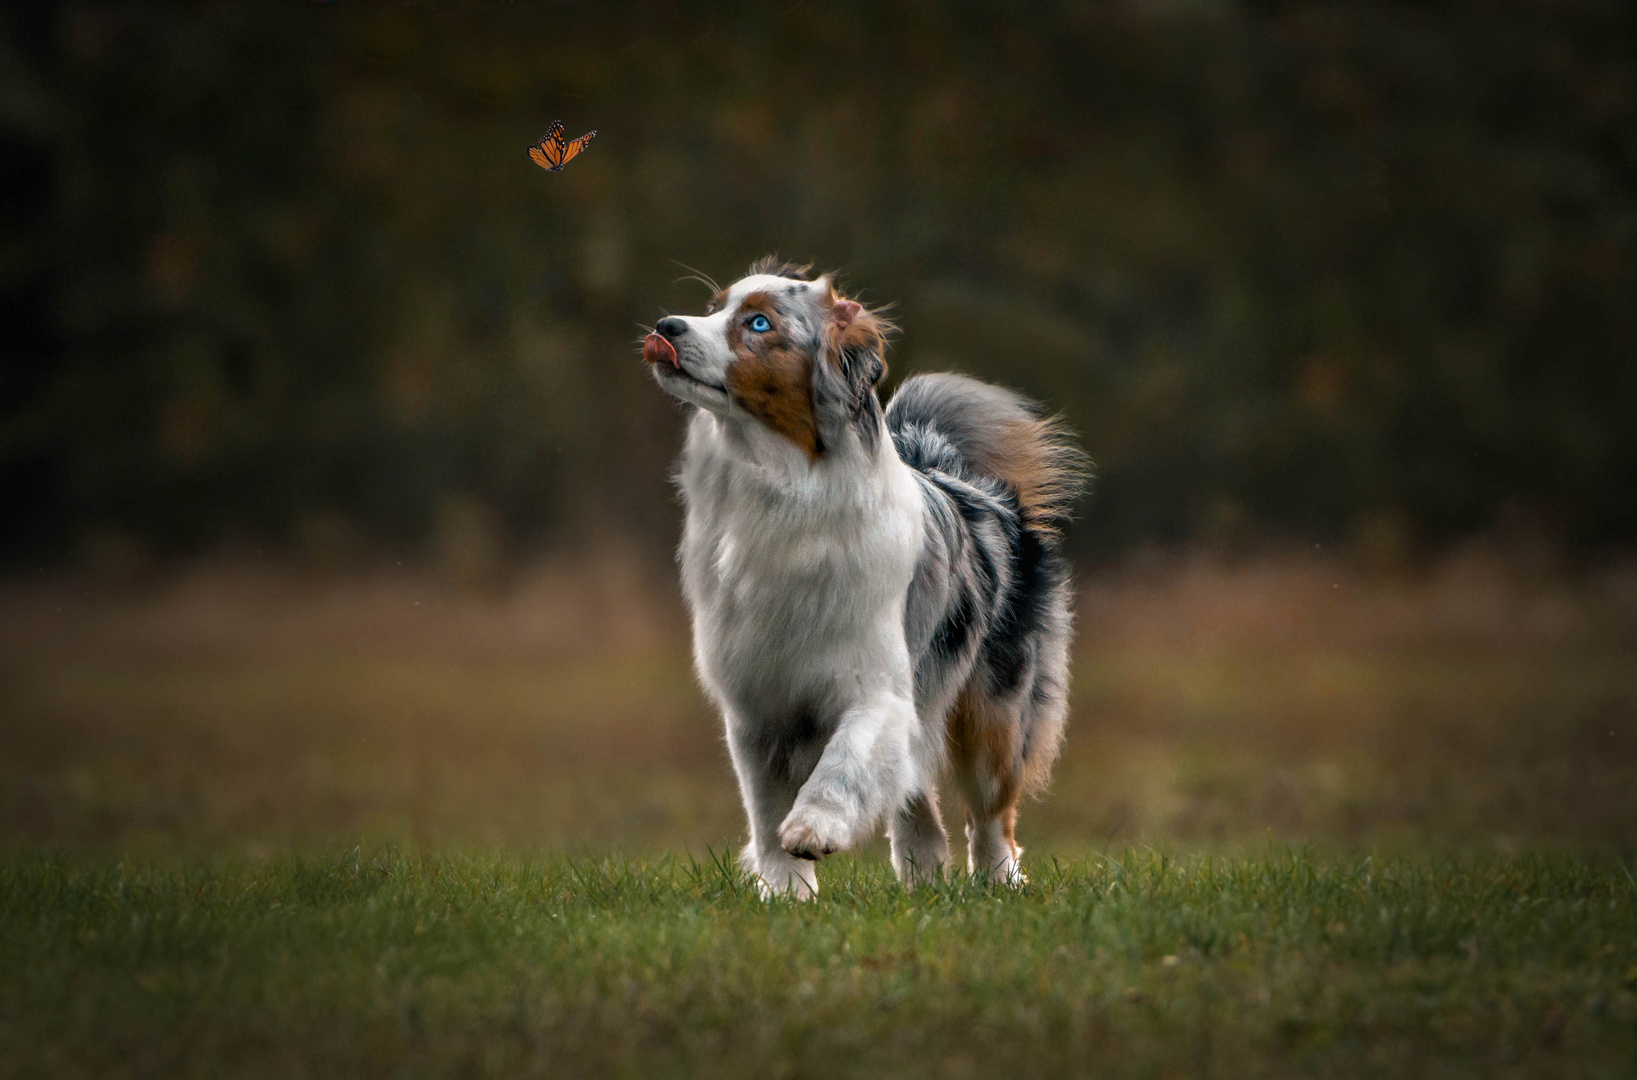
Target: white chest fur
pixel 796 572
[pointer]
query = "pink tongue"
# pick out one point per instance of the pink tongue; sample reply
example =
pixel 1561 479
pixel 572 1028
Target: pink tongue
pixel 656 350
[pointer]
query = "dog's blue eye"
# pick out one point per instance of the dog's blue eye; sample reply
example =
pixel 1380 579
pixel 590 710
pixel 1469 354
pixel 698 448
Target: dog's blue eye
pixel 760 324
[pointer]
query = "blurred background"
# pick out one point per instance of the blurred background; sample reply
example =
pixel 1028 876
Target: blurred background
pixel 334 497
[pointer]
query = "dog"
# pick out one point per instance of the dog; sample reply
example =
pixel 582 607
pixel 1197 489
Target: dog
pixel 878 596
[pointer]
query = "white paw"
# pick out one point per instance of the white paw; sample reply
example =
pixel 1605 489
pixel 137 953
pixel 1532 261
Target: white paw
pixel 777 874
pixel 811 832
pixel 1006 870
pixel 794 884
pixel 915 872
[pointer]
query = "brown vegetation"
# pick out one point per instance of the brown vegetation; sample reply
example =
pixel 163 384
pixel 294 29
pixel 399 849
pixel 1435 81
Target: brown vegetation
pixel 241 707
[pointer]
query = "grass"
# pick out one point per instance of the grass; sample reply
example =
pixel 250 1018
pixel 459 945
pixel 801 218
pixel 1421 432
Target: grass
pixel 1460 747
pixel 1145 965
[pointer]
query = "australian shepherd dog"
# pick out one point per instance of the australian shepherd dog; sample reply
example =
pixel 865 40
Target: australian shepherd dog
pixel 878 596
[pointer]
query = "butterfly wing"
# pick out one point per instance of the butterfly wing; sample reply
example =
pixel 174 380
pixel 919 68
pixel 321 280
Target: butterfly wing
pixel 551 152
pixel 576 146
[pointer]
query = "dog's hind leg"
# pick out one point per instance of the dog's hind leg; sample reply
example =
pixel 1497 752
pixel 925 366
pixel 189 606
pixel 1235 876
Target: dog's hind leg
pixel 920 847
pixel 986 759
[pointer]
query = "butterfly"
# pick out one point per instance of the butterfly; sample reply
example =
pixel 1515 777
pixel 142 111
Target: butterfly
pixel 553 151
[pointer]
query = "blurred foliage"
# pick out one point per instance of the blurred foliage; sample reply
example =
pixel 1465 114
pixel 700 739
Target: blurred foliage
pixel 1342 272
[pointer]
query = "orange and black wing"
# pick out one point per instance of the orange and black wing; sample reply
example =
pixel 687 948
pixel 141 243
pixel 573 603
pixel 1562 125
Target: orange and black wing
pixel 576 146
pixel 552 152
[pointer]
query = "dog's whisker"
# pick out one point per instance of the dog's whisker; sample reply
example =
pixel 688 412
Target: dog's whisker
pixel 697 275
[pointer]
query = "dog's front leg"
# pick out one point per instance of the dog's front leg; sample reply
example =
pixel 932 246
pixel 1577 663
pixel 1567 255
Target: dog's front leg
pixel 768 795
pixel 860 776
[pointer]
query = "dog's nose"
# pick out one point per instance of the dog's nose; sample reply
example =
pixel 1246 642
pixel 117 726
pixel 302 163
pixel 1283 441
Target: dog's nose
pixel 672 327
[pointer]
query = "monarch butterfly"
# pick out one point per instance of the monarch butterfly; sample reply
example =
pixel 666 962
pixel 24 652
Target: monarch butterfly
pixel 553 151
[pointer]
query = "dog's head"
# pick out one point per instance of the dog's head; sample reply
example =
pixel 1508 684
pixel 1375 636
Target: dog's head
pixel 782 351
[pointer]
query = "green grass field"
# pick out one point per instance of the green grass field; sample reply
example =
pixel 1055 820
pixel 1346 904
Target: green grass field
pixel 270 826
pixel 1274 964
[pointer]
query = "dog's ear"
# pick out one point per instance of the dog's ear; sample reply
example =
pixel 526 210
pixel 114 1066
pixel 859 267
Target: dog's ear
pixel 855 339
pixel 844 311
pixel 851 362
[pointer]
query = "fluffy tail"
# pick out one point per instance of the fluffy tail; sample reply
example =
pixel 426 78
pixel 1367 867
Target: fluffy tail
pixel 995 433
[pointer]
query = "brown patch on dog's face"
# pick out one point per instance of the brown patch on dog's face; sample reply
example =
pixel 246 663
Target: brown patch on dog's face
pixel 771 379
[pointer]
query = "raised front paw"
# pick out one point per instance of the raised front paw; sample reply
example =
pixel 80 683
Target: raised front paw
pixel 811 832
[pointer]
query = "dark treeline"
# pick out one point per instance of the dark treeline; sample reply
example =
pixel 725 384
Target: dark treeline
pixel 284 276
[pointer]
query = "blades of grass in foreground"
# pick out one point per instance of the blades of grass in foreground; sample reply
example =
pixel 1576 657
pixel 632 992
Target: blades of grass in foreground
pixel 1136 963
